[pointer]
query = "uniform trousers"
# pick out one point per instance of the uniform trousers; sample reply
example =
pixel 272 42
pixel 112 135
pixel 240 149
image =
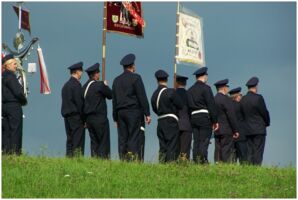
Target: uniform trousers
pixel 12 125
pixel 99 131
pixel 241 151
pixel 224 148
pixel 168 135
pixel 255 148
pixel 202 131
pixel 75 135
pixel 185 143
pixel 129 142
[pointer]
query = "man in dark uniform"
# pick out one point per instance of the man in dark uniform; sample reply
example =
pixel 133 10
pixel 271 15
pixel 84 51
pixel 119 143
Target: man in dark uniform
pixel 203 115
pixel 166 103
pixel 241 142
pixel 95 109
pixel 228 127
pixel 72 111
pixel 256 119
pixel 130 106
pixel 13 98
pixel 184 119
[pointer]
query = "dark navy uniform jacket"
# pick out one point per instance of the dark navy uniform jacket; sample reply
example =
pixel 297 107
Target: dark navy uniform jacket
pixel 169 101
pixel 129 93
pixel 255 113
pixel 72 98
pixel 200 96
pixel 184 117
pixel 226 115
pixel 95 99
pixel 12 91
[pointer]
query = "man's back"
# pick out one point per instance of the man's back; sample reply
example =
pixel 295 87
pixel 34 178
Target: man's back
pixel 169 101
pixel 255 113
pixel 200 96
pixel 129 93
pixel 226 114
pixel 95 99
pixel 72 98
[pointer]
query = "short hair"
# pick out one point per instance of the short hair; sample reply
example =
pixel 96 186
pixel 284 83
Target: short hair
pixel 162 79
pixel 183 83
pixel 73 71
pixel 128 66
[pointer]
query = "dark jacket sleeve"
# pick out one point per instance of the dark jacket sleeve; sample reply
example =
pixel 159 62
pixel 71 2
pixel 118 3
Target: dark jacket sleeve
pixel 211 104
pixel 153 104
pixel 114 101
pixel 263 110
pixel 106 91
pixel 176 99
pixel 15 87
pixel 78 98
pixel 231 114
pixel 141 95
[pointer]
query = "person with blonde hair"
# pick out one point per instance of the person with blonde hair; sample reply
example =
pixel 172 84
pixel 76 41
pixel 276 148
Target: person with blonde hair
pixel 13 98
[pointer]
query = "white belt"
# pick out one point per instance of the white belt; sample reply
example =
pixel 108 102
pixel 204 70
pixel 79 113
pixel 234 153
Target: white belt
pixel 168 115
pixel 199 111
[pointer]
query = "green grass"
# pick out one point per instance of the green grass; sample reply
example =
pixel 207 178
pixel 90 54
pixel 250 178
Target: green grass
pixel 37 177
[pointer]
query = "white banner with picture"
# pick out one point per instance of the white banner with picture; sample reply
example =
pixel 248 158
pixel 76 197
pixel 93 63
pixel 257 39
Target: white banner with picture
pixel 190 40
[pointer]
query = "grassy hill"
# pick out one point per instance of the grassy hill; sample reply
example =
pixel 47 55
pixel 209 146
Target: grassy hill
pixel 37 177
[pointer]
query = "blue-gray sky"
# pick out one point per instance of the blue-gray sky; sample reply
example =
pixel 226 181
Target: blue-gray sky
pixel 241 40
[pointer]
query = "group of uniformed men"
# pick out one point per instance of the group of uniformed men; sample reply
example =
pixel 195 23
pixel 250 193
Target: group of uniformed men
pixel 239 123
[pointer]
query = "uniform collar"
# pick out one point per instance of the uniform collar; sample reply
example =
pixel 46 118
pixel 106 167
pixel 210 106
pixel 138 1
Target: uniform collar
pixel 181 88
pixel 127 71
pixel 74 79
pixel 162 86
pixel 250 92
pixel 200 82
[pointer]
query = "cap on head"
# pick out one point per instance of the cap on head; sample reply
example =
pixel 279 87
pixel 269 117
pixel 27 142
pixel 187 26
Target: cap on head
pixel 181 79
pixel 76 66
pixel 6 58
pixel 161 75
pixel 128 60
pixel 221 83
pixel 235 91
pixel 200 72
pixel 93 69
pixel 252 82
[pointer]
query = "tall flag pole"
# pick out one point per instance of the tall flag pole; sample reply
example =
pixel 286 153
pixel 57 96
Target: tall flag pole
pixel 20 16
pixel 177 42
pixel 104 33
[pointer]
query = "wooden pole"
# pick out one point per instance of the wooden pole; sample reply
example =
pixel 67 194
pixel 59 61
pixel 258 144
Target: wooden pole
pixel 104 31
pixel 176 45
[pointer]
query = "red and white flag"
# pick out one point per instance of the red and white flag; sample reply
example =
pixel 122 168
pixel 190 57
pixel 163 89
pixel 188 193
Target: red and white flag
pixel 44 80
